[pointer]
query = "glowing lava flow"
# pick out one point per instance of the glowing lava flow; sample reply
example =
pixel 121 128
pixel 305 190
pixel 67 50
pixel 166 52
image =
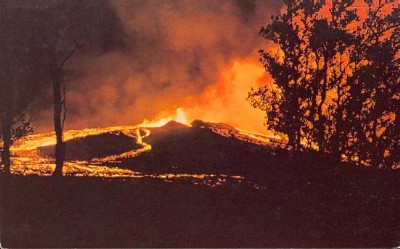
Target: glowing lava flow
pixel 28 160
pixel 180 117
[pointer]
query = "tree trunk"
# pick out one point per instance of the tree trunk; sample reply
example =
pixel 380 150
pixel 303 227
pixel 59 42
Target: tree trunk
pixel 57 102
pixel 5 154
pixel 59 106
pixel 5 89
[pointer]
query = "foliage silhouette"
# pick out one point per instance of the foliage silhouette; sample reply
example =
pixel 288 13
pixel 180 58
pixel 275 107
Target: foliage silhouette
pixel 18 77
pixel 38 41
pixel 335 82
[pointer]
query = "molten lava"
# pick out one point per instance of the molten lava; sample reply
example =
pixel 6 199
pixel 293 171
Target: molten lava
pixel 28 157
pixel 179 117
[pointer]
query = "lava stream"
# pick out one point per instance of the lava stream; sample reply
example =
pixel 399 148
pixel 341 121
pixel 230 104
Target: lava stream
pixel 27 158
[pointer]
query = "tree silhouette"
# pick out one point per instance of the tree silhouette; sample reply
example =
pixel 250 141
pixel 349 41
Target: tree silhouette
pixel 376 90
pixel 28 47
pixel 335 81
pixel 65 27
pixel 18 76
pixel 288 66
pixel 38 40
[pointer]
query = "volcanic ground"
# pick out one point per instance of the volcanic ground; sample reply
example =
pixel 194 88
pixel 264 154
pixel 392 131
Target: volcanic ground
pixel 204 185
pixel 176 148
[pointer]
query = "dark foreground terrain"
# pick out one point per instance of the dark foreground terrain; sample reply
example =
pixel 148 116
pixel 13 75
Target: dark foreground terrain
pixel 284 200
pixel 348 207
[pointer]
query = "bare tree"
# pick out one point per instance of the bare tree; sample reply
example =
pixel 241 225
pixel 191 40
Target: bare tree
pixel 59 102
pixel 65 27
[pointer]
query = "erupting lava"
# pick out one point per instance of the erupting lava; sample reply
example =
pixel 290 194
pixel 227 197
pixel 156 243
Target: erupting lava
pixel 28 157
pixel 179 117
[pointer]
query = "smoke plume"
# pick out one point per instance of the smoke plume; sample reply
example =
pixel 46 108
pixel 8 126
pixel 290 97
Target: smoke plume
pixel 198 55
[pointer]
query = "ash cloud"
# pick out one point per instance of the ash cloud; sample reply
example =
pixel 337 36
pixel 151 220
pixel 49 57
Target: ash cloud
pixel 155 56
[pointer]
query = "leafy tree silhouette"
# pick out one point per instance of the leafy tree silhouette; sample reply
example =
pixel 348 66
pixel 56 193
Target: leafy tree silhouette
pixel 376 90
pixel 335 82
pixel 283 101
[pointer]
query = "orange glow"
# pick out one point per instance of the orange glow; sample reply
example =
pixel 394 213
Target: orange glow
pixel 225 100
pixel 27 158
pixel 179 116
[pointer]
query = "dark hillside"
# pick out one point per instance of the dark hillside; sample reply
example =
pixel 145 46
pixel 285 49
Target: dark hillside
pixel 95 146
pixel 178 148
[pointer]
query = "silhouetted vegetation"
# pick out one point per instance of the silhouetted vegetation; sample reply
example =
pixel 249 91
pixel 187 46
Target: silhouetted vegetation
pixel 335 82
pixel 65 27
pixel 18 75
pixel 335 95
pixel 59 41
pixel 38 40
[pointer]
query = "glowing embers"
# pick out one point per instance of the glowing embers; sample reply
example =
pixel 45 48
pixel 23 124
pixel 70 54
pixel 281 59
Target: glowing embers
pixel 211 180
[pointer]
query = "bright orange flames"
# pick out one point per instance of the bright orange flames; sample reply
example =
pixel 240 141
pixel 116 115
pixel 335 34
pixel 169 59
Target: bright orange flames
pixel 179 116
pixel 225 101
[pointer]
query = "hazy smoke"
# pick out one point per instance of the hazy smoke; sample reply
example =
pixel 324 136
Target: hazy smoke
pixel 173 54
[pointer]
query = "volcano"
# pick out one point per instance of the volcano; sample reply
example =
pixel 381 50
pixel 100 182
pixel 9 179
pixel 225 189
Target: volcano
pixel 201 148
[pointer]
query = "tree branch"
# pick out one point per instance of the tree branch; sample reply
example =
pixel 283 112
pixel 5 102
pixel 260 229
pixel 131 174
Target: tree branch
pixel 71 53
